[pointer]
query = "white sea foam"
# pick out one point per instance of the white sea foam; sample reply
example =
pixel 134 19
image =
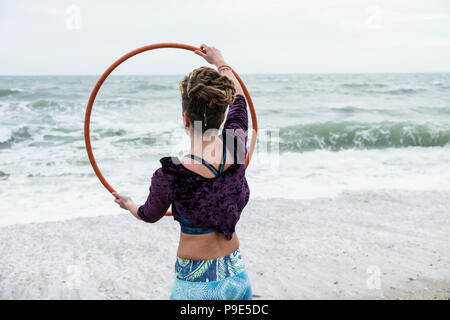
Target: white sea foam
pixel 323 173
pixel 332 138
pixel 5 134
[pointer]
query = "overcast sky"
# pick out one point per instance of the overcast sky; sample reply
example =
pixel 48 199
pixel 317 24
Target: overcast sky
pixel 259 36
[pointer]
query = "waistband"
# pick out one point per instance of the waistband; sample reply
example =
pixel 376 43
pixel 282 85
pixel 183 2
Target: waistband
pixel 188 227
pixel 209 270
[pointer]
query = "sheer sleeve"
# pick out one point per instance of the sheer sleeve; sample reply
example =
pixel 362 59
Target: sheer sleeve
pixel 158 200
pixel 237 117
pixel 235 129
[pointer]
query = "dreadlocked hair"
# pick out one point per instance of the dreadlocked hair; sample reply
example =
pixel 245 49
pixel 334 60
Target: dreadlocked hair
pixel 205 95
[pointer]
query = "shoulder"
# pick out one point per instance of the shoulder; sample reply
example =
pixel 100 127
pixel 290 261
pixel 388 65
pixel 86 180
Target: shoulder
pixel 163 177
pixel 169 165
pixel 168 170
pixel 239 98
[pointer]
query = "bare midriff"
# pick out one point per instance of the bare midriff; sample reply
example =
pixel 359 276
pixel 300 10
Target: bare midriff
pixel 206 246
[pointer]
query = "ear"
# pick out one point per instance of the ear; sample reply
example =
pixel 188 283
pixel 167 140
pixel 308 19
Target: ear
pixel 186 120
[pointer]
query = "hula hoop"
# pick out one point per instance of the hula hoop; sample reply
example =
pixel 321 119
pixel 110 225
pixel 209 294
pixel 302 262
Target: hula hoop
pixel 87 118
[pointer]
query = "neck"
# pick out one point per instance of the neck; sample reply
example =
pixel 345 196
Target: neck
pixel 200 143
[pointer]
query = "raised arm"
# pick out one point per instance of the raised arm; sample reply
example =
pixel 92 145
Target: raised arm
pixel 237 117
pixel 236 124
pixel 214 56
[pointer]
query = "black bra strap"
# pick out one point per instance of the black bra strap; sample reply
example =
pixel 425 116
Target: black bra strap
pixel 206 164
pixel 224 156
pixel 210 166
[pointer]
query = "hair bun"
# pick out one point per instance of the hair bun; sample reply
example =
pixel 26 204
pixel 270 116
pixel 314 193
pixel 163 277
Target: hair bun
pixel 210 86
pixel 206 94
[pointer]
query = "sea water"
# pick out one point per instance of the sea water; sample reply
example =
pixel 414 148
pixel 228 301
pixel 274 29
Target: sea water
pixel 319 135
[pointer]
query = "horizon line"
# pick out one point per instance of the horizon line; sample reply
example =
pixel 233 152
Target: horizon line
pixel 249 74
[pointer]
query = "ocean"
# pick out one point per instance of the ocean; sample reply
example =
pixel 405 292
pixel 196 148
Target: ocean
pixel 326 134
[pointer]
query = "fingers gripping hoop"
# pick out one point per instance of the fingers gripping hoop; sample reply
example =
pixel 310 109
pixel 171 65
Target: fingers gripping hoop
pixel 108 71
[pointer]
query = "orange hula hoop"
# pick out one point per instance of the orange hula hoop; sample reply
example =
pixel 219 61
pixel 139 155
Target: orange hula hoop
pixel 87 118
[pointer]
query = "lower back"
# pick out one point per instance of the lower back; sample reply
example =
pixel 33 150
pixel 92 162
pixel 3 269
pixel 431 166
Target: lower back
pixel 206 246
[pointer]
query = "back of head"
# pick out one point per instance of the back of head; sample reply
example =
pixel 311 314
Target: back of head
pixel 206 94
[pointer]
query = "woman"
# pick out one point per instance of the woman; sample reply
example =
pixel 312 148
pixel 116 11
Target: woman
pixel 207 188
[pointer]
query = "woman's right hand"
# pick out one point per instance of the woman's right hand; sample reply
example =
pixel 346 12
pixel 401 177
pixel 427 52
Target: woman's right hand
pixel 211 55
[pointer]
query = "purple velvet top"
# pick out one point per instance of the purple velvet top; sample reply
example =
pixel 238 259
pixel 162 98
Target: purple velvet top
pixel 207 202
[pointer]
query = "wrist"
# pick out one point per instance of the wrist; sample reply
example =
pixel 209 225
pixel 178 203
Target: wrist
pixel 129 204
pixel 219 63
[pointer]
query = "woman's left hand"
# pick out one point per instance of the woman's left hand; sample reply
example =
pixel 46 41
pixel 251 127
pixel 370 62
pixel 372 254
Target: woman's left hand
pixel 123 201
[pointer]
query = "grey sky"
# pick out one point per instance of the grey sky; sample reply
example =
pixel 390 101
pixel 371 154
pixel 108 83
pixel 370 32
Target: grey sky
pixel 323 36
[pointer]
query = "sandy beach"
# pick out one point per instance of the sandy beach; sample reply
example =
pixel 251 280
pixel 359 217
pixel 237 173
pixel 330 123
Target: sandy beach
pixel 360 245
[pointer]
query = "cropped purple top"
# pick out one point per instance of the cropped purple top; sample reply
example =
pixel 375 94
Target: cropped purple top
pixel 214 203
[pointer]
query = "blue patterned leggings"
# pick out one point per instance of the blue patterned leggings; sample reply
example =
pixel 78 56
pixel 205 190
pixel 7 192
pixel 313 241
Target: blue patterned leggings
pixel 224 278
